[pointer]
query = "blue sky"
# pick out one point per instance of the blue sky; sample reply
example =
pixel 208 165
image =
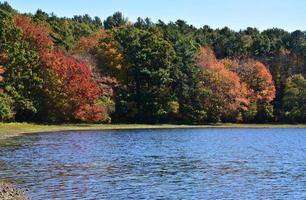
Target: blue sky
pixel 236 14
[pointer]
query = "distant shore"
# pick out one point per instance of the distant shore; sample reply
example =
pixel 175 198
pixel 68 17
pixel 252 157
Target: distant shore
pixel 16 129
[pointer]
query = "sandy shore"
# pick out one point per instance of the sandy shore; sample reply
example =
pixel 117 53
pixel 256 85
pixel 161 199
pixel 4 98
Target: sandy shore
pixel 16 129
pixel 9 192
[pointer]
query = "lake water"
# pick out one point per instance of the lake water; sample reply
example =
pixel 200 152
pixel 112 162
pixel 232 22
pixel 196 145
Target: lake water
pixel 159 164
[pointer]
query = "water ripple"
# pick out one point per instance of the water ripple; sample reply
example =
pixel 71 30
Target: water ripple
pixel 159 164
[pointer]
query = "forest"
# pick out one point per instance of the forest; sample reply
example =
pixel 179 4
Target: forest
pixel 87 70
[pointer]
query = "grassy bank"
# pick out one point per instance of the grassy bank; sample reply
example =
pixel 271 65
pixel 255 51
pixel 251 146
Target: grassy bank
pixel 13 129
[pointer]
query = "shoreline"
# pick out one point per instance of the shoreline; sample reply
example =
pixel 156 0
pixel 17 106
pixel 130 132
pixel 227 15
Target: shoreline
pixel 16 129
pixel 11 191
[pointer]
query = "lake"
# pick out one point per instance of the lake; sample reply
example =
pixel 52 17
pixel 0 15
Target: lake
pixel 159 164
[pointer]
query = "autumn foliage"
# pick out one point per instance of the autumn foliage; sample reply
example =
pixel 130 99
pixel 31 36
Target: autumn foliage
pixel 86 44
pixel 235 85
pixel 1 72
pixel 37 34
pixel 80 69
pixel 227 93
pixel 258 78
pixel 72 89
pixel 104 49
pixel 70 86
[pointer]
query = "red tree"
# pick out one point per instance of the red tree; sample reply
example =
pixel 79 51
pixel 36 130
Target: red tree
pixel 228 94
pixel 37 34
pixel 259 79
pixel 72 89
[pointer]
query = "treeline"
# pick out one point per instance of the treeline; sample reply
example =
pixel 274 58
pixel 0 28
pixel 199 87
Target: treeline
pixel 83 69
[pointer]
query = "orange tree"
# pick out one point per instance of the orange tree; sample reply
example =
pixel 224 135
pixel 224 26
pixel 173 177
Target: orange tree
pixel 228 95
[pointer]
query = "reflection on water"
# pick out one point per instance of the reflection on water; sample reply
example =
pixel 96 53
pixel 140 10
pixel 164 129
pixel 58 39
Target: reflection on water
pixel 159 164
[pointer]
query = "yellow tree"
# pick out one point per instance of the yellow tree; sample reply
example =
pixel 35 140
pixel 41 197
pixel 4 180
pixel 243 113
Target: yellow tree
pixel 104 49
